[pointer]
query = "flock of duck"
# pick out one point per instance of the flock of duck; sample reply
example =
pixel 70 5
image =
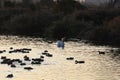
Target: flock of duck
pixel 22 62
pixel 33 61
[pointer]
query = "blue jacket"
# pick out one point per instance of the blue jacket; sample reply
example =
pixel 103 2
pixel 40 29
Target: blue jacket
pixel 60 44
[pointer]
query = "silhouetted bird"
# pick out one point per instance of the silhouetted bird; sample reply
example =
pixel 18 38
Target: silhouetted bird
pixel 76 62
pixel 28 68
pixel 22 64
pixel 11 47
pixel 70 58
pixel 12 65
pixel 9 75
pixel 101 52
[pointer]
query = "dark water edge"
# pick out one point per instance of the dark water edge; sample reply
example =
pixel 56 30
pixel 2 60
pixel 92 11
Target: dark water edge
pixel 115 53
pixel 96 43
pixel 101 43
pixel 92 43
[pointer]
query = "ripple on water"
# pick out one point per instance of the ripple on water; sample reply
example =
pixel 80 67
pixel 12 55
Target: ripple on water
pixel 96 67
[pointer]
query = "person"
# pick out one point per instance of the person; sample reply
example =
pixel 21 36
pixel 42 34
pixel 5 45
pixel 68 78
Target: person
pixel 60 43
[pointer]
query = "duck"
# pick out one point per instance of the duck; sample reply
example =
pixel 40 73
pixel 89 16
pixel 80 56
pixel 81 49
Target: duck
pixel 3 57
pixel 9 76
pixel 35 62
pixel 12 65
pixel 38 59
pixel 42 57
pixel 22 64
pixel 26 58
pixel 49 55
pixel 76 62
pixel 11 48
pixel 101 52
pixel 28 68
pixel 70 58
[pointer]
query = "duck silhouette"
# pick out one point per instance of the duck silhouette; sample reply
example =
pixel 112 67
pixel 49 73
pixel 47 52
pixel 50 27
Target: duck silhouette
pixel 101 52
pixel 13 65
pixel 79 62
pixel 28 68
pixel 9 76
pixel 70 58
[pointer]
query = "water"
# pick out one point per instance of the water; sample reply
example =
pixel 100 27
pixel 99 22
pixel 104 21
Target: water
pixel 96 67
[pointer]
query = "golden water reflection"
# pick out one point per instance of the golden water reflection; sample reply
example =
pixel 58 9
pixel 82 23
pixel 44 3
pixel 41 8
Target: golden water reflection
pixel 96 67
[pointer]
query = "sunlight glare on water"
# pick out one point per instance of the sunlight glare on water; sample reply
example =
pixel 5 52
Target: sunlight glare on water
pixel 96 67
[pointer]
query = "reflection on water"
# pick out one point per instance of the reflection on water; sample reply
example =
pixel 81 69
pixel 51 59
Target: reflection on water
pixel 96 67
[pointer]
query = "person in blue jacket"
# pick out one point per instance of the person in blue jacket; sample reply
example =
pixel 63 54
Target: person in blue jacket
pixel 60 43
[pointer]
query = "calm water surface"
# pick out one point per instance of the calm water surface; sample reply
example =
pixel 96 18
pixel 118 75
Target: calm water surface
pixel 96 67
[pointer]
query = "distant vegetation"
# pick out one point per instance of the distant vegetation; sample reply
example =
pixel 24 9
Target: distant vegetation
pixel 65 18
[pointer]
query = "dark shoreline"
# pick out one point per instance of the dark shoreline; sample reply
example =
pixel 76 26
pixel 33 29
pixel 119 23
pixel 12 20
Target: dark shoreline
pixel 98 26
pixel 46 39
